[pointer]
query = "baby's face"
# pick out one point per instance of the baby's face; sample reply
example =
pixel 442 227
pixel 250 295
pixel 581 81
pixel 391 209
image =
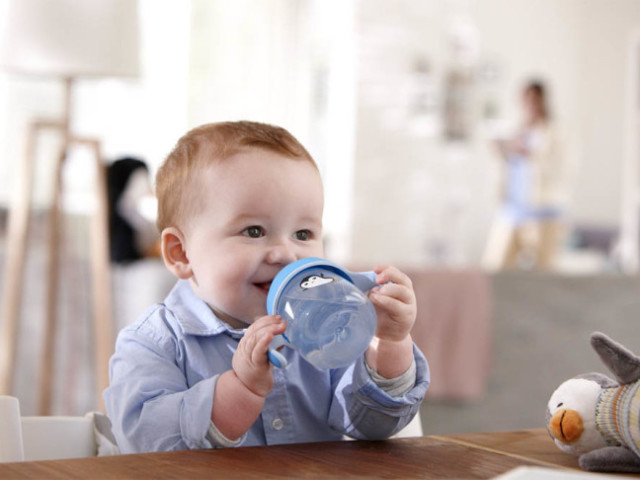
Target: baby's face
pixel 262 211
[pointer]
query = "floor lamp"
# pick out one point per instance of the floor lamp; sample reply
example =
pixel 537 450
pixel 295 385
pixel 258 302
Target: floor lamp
pixel 67 40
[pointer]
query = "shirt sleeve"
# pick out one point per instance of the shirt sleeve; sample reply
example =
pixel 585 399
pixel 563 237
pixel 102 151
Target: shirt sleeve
pixel 398 386
pixel 362 409
pixel 217 438
pixel 148 400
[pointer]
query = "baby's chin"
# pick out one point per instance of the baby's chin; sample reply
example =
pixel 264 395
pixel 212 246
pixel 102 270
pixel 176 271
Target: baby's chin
pixel 237 322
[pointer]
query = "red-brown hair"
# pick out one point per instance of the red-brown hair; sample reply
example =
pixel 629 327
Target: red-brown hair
pixel 177 179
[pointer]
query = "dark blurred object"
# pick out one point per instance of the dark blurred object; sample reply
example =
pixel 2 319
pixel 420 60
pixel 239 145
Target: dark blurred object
pixel 125 225
pixel 601 238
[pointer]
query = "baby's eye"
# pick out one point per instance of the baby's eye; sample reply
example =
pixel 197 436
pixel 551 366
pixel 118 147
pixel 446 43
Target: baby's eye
pixel 303 235
pixel 253 232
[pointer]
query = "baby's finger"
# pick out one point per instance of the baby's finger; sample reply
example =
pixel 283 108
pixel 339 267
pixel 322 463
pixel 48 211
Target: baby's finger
pixel 397 291
pixel 391 305
pixel 246 345
pixel 253 332
pixel 266 335
pixel 268 322
pixel 263 340
pixel 389 273
pixel 264 322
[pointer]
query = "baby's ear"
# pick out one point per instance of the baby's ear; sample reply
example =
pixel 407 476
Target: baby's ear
pixel 174 253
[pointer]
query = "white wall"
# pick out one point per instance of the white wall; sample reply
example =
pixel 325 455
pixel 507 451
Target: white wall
pixel 289 63
pixel 142 117
pixel 411 190
pixel 581 47
pixel 415 197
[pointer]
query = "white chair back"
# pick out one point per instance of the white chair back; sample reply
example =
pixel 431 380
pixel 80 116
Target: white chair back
pixel 49 438
pixel 413 428
pixel 10 430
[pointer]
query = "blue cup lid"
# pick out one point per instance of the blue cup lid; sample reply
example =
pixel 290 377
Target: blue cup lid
pixel 287 273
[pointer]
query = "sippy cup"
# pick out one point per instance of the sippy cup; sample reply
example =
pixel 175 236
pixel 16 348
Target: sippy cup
pixel 330 320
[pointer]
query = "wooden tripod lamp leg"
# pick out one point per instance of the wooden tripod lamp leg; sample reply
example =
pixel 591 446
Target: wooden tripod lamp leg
pixel 51 306
pixel 18 230
pixel 103 326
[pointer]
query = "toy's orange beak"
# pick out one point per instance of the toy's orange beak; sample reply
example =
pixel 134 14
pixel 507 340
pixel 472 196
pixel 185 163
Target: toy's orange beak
pixel 566 426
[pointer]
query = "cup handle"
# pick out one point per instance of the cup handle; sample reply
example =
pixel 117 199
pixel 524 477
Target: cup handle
pixel 365 281
pixel 275 357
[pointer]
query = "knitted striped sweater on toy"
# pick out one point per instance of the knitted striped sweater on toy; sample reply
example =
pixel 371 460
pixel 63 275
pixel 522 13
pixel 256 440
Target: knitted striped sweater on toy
pixel 618 416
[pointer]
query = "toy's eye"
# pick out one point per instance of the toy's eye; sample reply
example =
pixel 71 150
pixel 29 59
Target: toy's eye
pixel 559 405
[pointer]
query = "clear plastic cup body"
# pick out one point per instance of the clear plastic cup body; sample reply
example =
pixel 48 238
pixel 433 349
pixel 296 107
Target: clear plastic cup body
pixel 329 320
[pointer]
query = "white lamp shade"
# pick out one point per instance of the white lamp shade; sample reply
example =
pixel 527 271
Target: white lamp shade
pixel 70 38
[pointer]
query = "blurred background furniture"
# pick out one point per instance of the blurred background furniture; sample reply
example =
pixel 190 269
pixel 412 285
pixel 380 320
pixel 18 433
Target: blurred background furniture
pixel 453 330
pixel 67 40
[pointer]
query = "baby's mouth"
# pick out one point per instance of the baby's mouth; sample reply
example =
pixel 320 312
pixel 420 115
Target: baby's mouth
pixel 264 286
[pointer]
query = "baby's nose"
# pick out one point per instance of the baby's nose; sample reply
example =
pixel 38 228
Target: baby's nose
pixel 281 253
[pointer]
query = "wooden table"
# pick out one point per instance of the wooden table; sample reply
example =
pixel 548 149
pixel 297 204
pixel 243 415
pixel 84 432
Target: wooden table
pixel 482 455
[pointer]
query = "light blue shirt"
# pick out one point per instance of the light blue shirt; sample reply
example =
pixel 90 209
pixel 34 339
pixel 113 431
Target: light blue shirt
pixel 164 372
pixel 518 208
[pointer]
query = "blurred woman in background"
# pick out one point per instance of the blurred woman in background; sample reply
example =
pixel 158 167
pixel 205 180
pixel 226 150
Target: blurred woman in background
pixel 529 227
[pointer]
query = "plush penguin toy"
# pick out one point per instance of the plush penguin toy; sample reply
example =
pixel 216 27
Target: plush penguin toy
pixel 598 418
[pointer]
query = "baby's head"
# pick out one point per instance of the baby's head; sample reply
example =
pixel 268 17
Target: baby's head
pixel 237 201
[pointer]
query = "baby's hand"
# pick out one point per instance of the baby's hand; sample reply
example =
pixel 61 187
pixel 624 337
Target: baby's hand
pixel 250 362
pixel 395 304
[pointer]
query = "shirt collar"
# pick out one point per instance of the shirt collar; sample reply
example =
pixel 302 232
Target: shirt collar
pixel 194 315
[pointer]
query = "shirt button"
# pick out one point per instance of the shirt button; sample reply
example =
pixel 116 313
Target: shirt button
pixel 277 424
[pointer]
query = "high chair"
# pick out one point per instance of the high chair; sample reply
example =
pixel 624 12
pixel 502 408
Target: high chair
pixel 52 438
pixel 413 428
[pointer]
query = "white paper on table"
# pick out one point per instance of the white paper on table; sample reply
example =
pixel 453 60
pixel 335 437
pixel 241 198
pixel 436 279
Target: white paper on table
pixel 540 473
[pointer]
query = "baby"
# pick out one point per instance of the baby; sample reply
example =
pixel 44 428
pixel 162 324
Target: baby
pixel 238 201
